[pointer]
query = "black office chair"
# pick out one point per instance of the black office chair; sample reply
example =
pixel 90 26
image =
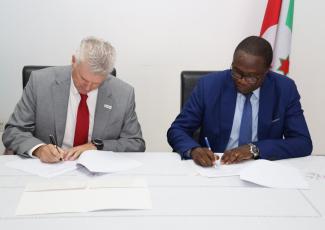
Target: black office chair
pixel 189 80
pixel 28 69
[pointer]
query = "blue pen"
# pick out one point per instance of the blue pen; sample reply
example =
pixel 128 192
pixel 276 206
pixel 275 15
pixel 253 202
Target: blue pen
pixel 207 143
pixel 209 147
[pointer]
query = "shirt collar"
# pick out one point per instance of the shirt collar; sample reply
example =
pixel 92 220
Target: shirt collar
pixel 255 93
pixel 73 88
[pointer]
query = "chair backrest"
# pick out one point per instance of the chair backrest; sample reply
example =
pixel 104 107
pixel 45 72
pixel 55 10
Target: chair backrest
pixel 28 69
pixel 189 80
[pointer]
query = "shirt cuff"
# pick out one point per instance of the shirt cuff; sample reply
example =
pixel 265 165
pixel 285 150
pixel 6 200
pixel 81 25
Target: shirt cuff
pixel 30 152
pixel 187 154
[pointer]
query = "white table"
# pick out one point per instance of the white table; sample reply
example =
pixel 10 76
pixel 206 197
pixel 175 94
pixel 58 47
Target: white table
pixel 183 200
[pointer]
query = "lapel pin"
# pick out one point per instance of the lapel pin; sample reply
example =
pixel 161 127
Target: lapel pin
pixel 107 106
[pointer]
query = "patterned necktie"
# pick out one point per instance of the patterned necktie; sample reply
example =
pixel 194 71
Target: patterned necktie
pixel 245 132
pixel 82 124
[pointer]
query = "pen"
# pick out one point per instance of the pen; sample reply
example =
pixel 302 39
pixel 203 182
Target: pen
pixel 207 143
pixel 53 142
pixel 209 147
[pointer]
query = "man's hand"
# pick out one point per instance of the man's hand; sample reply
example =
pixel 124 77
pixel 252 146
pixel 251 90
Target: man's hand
pixel 204 157
pixel 49 153
pixel 73 153
pixel 236 155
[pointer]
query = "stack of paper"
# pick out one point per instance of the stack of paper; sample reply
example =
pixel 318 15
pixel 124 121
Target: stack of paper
pixel 221 170
pixel 36 167
pixel 274 175
pixel 94 160
pixel 262 172
pixel 106 162
pixel 84 196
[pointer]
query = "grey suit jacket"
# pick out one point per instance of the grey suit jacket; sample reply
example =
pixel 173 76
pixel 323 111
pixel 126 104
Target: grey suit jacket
pixel 42 110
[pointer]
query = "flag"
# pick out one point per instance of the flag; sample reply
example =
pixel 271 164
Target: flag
pixel 277 29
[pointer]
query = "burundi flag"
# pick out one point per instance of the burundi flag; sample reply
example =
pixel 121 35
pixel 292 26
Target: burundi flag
pixel 277 29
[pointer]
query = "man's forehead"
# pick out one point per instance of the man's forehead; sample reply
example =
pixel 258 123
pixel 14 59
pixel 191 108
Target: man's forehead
pixel 86 74
pixel 248 60
pixel 241 54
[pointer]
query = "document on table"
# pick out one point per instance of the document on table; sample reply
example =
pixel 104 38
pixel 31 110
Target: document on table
pixel 84 196
pixel 106 162
pixel 94 160
pixel 273 174
pixel 36 167
pixel 262 172
pixel 221 170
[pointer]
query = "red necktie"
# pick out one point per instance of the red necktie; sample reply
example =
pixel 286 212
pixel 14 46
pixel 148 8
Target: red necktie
pixel 82 124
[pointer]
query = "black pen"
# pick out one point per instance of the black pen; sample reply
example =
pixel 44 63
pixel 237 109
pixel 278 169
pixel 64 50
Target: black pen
pixel 53 142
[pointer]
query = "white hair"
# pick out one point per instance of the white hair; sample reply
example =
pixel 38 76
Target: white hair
pixel 99 54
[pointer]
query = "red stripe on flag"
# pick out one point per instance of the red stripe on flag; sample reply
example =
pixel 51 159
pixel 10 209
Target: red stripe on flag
pixel 272 14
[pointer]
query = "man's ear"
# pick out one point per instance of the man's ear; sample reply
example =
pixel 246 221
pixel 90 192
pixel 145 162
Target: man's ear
pixel 73 59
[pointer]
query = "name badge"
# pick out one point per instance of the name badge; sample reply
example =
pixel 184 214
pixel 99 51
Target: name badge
pixel 107 106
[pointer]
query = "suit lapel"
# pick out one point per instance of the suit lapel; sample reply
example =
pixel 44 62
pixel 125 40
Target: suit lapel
pixel 266 106
pixel 60 94
pixel 227 110
pixel 104 105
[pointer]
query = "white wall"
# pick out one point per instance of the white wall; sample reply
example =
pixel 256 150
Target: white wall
pixel 155 41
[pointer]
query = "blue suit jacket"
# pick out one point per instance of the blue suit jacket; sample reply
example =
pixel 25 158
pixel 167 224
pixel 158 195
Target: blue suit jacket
pixel 282 129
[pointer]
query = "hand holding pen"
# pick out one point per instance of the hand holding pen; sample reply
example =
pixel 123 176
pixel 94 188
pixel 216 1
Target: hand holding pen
pixel 204 156
pixel 216 157
pixel 50 153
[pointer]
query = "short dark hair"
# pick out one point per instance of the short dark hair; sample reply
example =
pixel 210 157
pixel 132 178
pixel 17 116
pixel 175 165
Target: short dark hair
pixel 256 46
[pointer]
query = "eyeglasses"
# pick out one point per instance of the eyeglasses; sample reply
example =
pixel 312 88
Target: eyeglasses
pixel 250 78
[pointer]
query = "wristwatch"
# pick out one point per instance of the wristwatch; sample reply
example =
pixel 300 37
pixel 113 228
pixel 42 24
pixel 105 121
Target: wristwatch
pixel 254 151
pixel 99 144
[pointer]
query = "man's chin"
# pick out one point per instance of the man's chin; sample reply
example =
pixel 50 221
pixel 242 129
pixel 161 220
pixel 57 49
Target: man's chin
pixel 83 92
pixel 243 90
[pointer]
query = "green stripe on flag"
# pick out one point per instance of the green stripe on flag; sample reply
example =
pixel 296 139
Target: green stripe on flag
pixel 290 14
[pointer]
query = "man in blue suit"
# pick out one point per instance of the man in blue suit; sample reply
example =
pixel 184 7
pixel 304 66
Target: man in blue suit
pixel 247 112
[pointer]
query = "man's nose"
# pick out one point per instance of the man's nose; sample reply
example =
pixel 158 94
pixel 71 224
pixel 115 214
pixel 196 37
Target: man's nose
pixel 88 87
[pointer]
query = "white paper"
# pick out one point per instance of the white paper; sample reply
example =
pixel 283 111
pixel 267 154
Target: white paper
pixel 35 166
pixel 221 170
pixel 94 160
pixel 109 193
pixel 52 185
pixel 118 182
pixel 106 162
pixel 274 175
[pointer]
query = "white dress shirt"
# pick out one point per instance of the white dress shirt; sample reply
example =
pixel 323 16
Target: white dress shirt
pixel 70 125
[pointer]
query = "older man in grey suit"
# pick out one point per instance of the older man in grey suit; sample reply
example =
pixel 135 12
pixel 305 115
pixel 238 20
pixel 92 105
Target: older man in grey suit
pixel 81 105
